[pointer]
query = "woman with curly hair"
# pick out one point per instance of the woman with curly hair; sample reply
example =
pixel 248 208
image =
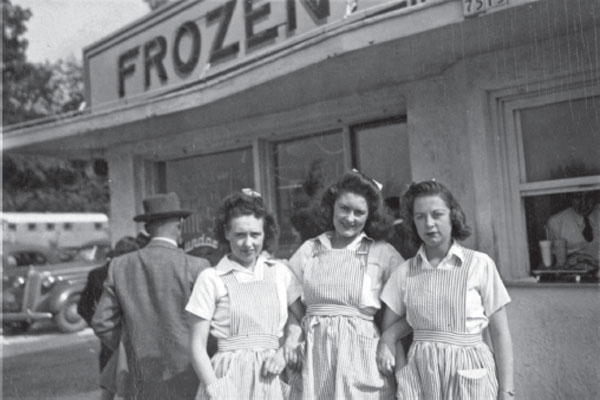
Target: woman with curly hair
pixel 243 302
pixel 342 272
pixel 448 294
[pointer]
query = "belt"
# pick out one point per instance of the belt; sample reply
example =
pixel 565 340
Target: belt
pixel 457 339
pixel 241 342
pixel 336 310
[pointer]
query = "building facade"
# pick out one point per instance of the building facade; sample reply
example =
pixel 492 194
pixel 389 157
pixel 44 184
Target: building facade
pixel 497 99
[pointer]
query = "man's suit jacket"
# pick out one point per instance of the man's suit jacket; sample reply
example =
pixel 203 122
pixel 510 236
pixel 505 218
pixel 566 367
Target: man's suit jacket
pixel 143 304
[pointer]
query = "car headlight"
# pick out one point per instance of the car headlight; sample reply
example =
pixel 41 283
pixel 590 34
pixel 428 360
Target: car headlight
pixel 48 281
pixel 18 282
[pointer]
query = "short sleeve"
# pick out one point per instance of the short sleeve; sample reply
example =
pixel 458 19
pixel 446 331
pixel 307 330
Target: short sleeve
pixel 393 259
pixel 395 289
pixel 493 292
pixel 293 289
pixel 203 301
pixel 298 260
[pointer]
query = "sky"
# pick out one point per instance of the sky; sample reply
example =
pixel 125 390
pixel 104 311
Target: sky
pixel 59 29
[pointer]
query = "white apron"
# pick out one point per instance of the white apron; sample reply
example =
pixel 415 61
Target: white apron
pixel 341 340
pixel 444 362
pixel 254 327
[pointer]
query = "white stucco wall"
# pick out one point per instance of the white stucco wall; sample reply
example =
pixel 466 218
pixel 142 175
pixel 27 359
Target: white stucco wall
pixel 556 340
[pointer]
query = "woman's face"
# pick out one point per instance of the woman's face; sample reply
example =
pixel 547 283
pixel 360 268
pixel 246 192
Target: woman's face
pixel 245 236
pixel 350 213
pixel 431 216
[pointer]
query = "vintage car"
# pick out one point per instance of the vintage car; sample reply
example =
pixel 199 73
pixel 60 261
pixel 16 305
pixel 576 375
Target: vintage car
pixel 37 286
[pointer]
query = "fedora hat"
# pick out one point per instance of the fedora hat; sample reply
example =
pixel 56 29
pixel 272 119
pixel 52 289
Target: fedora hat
pixel 161 206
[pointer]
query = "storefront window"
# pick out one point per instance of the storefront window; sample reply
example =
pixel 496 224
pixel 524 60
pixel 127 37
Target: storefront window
pixel 201 183
pixel 560 136
pixel 560 182
pixel 381 152
pixel 303 167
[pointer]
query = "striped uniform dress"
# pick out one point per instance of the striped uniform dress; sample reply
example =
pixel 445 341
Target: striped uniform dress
pixel 444 362
pixel 341 340
pixel 254 313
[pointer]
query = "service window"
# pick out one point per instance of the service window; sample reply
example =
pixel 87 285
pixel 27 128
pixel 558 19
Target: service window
pixel 559 185
pixel 201 183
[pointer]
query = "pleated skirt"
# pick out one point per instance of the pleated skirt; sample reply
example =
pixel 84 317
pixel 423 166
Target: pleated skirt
pixel 441 371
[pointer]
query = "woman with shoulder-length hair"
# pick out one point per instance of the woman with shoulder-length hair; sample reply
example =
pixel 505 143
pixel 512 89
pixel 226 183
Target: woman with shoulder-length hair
pixel 448 294
pixel 243 302
pixel 342 272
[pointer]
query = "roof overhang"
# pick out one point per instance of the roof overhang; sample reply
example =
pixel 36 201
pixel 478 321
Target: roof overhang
pixel 376 48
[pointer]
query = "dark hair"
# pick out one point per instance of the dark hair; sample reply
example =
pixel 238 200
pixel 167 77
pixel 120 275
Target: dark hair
pixel 125 245
pixel 379 223
pixel 238 204
pixel 460 229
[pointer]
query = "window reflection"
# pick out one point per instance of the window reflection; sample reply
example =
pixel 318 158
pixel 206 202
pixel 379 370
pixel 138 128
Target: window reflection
pixel 201 183
pixel 558 135
pixel 303 167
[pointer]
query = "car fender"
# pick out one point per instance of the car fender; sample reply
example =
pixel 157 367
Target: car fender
pixel 61 292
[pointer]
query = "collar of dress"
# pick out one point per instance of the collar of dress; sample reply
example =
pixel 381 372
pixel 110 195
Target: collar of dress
pixel 325 239
pixel 455 250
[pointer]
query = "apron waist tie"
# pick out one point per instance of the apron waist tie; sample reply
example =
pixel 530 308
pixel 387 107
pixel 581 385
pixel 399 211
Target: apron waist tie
pixel 242 342
pixel 336 310
pixel 457 339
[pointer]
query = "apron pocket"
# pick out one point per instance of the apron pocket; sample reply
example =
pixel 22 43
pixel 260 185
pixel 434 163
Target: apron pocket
pixel 473 384
pixel 218 390
pixel 364 354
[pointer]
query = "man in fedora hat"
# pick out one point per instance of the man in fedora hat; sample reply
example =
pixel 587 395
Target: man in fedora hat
pixel 143 304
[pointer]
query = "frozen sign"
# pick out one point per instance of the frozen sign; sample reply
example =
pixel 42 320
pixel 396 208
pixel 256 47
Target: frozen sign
pixel 192 40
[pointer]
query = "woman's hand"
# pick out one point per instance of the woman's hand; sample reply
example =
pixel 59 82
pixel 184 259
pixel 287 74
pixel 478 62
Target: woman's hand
pixel 274 365
pixel 386 355
pixel 292 352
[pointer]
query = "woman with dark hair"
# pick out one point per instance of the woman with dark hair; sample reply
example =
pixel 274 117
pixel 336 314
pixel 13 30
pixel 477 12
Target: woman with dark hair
pixel 243 302
pixel 342 272
pixel 448 295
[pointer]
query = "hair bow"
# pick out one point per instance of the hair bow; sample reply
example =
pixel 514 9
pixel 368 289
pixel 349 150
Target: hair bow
pixel 251 192
pixel 379 185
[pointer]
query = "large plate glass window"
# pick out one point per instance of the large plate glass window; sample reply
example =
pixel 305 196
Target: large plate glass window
pixel 558 139
pixel 303 167
pixel 201 183
pixel 381 151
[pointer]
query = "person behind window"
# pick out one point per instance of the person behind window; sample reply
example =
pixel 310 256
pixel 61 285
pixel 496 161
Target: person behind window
pixel 342 272
pixel 243 302
pixel 448 295
pixel 579 225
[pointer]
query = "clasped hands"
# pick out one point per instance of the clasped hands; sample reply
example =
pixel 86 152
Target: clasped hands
pixel 290 354
pixel 388 358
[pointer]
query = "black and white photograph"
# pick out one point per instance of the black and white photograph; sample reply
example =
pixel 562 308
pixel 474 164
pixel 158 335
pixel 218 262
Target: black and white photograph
pixel 300 200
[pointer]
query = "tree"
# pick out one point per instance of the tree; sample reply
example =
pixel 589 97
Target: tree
pixel 32 91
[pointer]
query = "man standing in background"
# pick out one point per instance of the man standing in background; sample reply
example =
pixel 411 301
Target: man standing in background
pixel 143 305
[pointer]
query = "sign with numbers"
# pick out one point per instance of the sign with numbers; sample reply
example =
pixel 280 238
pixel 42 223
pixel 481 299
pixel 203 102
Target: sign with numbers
pixel 474 7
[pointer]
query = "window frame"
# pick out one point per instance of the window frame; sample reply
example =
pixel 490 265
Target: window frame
pixel 511 186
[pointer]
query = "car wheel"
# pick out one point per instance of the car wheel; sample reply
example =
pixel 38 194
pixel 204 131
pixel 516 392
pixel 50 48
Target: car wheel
pixel 68 319
pixel 14 328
